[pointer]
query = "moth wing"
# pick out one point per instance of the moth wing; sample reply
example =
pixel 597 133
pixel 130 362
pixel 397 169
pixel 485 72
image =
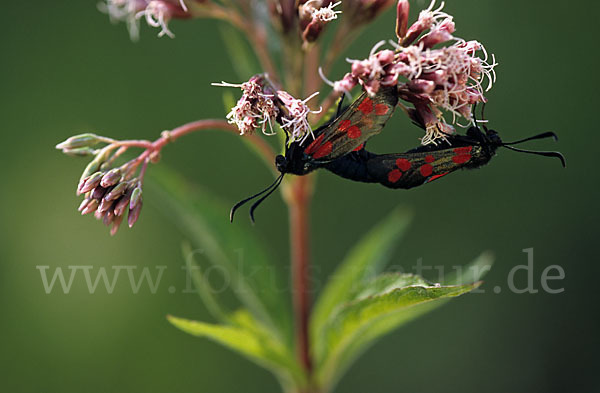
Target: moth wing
pixel 365 117
pixel 412 169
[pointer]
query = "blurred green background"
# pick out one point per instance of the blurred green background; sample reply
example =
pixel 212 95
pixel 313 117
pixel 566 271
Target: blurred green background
pixel 65 69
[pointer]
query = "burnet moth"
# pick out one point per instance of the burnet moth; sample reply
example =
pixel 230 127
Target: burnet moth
pixel 339 147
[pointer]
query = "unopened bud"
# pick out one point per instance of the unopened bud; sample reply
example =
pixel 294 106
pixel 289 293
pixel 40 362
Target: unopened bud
pixel 116 192
pixel 134 214
pixel 80 152
pixel 111 178
pixel 108 218
pixel 105 205
pixel 402 11
pixel 77 141
pixel 313 30
pixel 84 204
pixel 90 207
pixel 116 224
pixel 136 198
pixel 98 193
pixel 123 203
pixel 421 86
pixel 92 182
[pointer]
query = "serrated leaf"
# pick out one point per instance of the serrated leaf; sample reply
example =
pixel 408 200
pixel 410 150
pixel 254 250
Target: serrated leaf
pixel 356 325
pixel 249 338
pixel 365 260
pixel 238 252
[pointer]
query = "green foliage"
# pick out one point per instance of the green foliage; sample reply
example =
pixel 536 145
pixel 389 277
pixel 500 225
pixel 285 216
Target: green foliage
pixel 358 305
pixel 366 259
pixel 247 336
pixel 239 253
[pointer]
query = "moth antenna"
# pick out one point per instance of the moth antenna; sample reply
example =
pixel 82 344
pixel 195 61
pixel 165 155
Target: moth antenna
pixel 255 205
pixel 541 153
pixel 531 138
pixel 246 200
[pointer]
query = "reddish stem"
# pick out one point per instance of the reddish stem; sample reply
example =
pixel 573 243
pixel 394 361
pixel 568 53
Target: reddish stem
pixel 298 199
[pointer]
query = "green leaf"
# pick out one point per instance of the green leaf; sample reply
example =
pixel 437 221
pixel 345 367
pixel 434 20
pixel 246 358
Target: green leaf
pixel 365 260
pixel 202 285
pixel 249 338
pixel 386 282
pixel 236 251
pixel 359 323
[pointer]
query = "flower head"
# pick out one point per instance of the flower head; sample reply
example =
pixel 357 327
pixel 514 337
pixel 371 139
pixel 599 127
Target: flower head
pixel 295 121
pixel 261 104
pixel 448 78
pixel 255 108
pixel 109 190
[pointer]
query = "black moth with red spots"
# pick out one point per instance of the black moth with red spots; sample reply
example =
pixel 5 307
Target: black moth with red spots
pixel 339 147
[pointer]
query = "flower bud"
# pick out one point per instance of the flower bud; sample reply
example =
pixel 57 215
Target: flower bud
pixel 123 203
pixel 136 197
pixel 111 178
pixel 90 207
pixel 98 193
pixel 84 204
pixel 77 141
pixel 116 192
pixel 134 214
pixel 402 11
pixel 116 224
pixel 421 86
pixel 80 152
pixel 105 205
pixel 108 218
pixel 92 182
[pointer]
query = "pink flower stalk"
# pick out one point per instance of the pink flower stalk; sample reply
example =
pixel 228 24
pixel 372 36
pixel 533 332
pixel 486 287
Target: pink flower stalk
pixel 432 79
pixel 261 105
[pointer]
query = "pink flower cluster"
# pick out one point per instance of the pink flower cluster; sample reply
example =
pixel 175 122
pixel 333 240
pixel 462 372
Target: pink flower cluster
pixel 448 78
pixel 260 105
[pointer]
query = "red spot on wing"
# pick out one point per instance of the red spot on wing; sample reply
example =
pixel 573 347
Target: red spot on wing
pixel 366 106
pixel 314 145
pixel 403 164
pixel 426 170
pixel 394 175
pixel 461 159
pixel 432 178
pixel 323 150
pixel 359 147
pixel 463 150
pixel 344 124
pixel 353 132
pixel 429 159
pixel 381 109
pixel 463 154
